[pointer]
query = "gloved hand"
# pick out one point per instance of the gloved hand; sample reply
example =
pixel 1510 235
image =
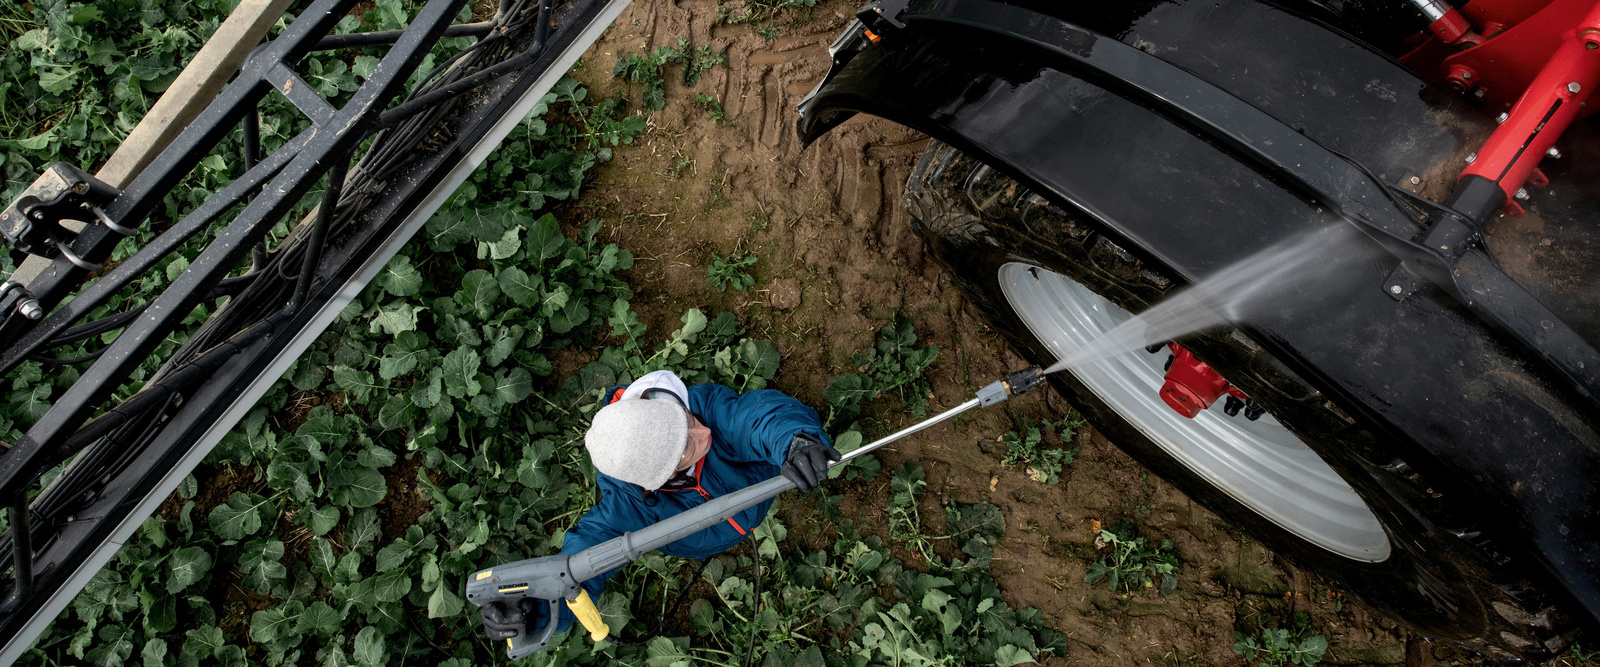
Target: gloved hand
pixel 502 620
pixel 808 461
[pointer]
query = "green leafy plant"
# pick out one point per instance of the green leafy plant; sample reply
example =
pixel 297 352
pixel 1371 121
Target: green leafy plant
pixel 1027 448
pixel 712 107
pixel 894 364
pixel 730 272
pixel 1280 647
pixel 1577 656
pixel 1132 563
pixel 758 11
pixel 647 69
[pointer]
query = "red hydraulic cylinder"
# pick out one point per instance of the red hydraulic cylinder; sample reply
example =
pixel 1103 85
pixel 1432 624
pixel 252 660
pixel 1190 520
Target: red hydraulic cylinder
pixel 1191 385
pixel 1557 95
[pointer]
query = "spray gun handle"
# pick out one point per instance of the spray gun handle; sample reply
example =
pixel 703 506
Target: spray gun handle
pixel 522 645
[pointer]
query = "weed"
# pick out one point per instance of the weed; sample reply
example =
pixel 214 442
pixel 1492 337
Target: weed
pixel 759 221
pixel 712 107
pixel 767 33
pixel 1132 563
pixel 646 69
pixel 1027 449
pixel 1577 657
pixel 755 11
pixel 723 274
pixel 716 195
pixel 1279 647
pixel 895 363
pixel 675 168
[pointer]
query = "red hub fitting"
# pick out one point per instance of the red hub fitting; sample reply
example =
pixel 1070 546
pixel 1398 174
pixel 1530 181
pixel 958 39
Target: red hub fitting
pixel 1462 79
pixel 1191 385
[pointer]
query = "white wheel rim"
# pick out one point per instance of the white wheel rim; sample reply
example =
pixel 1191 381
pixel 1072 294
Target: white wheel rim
pixel 1258 463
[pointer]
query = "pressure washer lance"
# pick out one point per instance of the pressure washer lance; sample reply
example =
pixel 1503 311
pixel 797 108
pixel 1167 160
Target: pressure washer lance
pixel 553 579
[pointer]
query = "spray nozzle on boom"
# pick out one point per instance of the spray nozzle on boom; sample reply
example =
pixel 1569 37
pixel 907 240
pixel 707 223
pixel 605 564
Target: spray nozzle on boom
pixel 1015 383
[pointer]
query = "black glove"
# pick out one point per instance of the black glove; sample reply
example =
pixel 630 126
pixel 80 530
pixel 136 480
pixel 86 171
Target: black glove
pixel 502 620
pixel 808 461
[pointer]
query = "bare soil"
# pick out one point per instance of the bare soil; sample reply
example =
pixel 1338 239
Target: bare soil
pixel 837 260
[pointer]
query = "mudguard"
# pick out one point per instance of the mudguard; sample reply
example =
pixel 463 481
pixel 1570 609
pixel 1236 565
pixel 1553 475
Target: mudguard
pixel 1518 445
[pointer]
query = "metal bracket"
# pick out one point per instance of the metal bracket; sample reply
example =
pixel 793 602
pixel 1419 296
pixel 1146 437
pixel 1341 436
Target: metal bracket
pixel 883 14
pixel 32 223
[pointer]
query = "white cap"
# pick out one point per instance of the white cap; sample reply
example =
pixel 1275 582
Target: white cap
pixel 639 442
pixel 658 380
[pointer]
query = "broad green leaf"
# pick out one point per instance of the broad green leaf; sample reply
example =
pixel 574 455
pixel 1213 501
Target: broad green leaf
pixel 444 604
pixel 395 318
pixel 358 385
pixel 461 373
pixel 545 240
pixel 391 586
pixel 114 647
pixel 356 487
pixel 269 624
pixel 320 520
pixel 428 393
pixel 57 80
pixel 1009 655
pixel 510 242
pixel 396 413
pixel 519 286
pixel 203 641
pixel 364 527
pixel 399 277
pixel 368 649
pixel 320 619
pixel 479 293
pixel 239 517
pixel 187 566
pixel 513 385
pixel 259 563
pixel 154 653
pixel 940 603
pixel 394 555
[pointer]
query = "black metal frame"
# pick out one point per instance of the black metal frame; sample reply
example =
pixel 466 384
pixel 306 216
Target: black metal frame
pixel 191 401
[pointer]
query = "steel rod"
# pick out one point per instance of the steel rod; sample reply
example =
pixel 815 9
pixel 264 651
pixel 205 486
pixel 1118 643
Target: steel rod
pixel 21 553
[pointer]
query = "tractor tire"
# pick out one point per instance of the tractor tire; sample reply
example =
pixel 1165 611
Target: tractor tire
pixel 1412 554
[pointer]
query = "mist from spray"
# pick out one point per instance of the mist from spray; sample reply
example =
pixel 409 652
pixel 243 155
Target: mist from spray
pixel 1293 269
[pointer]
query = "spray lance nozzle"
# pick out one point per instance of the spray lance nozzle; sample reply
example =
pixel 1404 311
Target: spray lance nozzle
pixel 1015 383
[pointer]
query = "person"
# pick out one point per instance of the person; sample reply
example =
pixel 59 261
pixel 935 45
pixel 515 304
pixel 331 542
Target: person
pixel 661 448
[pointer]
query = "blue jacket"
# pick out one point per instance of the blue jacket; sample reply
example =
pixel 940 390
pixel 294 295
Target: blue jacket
pixel 750 437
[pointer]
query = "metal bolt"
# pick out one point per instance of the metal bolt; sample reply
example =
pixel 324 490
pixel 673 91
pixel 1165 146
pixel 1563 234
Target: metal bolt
pixel 1396 289
pixel 1415 180
pixel 1471 157
pixel 1466 74
pixel 1574 87
pixel 1522 193
pixel 30 309
pixel 1554 153
pixel 37 215
pixel 1502 117
pixel 71 518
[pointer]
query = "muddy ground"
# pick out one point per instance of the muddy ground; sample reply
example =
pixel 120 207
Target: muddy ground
pixel 837 259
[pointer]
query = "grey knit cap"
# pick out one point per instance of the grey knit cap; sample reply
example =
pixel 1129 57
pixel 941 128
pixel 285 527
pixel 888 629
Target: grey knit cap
pixel 640 442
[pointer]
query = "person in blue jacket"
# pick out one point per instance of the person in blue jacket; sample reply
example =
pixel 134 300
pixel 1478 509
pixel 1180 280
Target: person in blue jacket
pixel 662 448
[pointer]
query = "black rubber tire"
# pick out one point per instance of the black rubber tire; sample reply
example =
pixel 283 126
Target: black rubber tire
pixel 1444 578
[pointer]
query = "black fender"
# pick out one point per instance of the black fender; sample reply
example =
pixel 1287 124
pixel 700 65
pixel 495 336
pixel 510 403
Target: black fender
pixel 1511 443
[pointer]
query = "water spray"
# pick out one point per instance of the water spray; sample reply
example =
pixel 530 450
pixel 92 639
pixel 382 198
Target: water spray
pixel 554 579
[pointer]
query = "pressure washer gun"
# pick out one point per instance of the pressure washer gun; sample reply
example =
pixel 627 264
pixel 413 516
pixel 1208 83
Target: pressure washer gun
pixel 556 579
